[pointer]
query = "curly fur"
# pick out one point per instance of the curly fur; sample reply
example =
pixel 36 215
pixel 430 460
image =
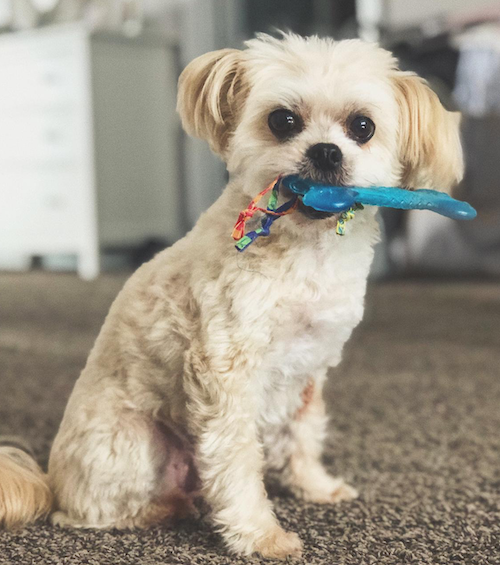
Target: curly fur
pixel 210 365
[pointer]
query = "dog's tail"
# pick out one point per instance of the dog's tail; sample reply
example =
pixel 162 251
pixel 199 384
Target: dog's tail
pixel 25 494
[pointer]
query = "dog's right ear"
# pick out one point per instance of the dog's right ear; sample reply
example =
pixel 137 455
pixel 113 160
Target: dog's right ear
pixel 431 151
pixel 212 92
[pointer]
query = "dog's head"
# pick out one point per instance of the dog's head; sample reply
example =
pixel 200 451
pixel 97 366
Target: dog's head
pixel 339 112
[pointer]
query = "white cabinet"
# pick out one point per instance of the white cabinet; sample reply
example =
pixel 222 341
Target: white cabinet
pixel 88 144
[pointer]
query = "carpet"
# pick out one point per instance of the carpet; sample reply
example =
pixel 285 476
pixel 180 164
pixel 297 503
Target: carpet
pixel 415 426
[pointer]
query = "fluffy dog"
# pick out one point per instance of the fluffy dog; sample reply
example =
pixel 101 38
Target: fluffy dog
pixel 210 366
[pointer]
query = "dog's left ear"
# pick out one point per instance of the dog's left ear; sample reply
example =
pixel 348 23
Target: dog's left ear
pixel 429 136
pixel 212 91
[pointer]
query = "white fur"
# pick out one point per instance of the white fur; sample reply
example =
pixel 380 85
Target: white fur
pixel 230 351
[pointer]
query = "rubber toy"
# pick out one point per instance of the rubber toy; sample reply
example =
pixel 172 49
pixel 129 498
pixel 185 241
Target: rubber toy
pixel 338 199
pixel 344 201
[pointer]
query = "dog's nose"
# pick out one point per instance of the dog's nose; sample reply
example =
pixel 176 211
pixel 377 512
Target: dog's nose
pixel 325 156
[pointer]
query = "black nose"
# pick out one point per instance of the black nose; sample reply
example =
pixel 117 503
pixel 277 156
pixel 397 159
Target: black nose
pixel 325 156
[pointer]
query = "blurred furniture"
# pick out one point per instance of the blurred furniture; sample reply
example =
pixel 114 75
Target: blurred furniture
pixel 438 244
pixel 455 45
pixel 88 141
pixel 375 16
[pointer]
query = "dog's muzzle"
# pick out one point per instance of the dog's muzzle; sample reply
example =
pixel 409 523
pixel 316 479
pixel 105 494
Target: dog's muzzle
pixel 311 213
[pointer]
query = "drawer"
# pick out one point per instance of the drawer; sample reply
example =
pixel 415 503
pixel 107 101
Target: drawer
pixel 41 211
pixel 39 137
pixel 31 81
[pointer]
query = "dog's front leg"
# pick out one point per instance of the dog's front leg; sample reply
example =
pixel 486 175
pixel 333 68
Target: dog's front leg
pixel 230 461
pixel 304 473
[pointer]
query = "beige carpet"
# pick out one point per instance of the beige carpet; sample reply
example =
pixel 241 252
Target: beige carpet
pixel 415 426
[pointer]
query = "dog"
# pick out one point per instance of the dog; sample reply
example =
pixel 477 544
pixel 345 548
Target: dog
pixel 209 368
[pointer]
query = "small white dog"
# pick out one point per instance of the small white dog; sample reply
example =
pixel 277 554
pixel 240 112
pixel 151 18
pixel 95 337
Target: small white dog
pixel 210 366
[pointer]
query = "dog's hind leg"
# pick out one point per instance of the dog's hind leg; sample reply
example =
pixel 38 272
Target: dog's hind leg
pixel 304 473
pixel 120 473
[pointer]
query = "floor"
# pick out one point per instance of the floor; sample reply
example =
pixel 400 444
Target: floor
pixel 415 425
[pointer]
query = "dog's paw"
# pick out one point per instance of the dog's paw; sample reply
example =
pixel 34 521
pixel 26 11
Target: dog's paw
pixel 343 492
pixel 279 544
pixel 62 520
pixel 329 491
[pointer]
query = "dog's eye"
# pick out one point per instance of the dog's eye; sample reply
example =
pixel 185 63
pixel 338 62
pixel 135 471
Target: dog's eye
pixel 362 129
pixel 284 123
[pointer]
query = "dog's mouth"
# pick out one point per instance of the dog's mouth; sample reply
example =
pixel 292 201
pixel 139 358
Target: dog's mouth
pixel 312 213
pixel 308 211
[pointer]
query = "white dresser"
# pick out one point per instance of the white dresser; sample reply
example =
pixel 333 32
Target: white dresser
pixel 88 144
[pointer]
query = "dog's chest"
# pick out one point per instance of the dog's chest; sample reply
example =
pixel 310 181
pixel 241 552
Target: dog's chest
pixel 308 333
pixel 320 304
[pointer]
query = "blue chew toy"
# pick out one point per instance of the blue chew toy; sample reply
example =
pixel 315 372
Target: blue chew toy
pixel 343 201
pixel 339 199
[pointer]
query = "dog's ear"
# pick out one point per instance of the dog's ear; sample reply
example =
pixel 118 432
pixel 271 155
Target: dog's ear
pixel 212 92
pixel 429 136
